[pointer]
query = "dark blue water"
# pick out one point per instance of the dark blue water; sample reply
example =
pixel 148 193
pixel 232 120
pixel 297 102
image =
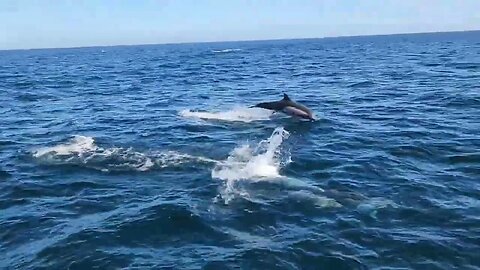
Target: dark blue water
pixel 149 157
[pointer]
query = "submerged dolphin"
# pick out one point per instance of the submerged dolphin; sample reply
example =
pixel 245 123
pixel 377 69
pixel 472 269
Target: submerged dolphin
pixel 288 106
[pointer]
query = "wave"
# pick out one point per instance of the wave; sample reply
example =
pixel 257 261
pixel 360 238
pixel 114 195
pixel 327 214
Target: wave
pixel 4 174
pixel 262 162
pixel 240 114
pixel 226 50
pixel 465 65
pixel 362 84
pixel 82 151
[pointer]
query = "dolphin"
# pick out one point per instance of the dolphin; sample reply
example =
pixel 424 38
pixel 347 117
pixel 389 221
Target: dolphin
pixel 287 106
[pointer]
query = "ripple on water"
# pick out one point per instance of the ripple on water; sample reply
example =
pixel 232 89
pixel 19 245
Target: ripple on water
pixel 4 174
pixel 171 169
pixel 362 84
pixel 158 226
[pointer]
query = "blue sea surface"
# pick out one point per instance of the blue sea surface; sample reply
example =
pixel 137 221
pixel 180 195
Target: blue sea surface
pixel 151 157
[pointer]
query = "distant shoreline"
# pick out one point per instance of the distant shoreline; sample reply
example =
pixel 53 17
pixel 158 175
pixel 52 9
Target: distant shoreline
pixel 253 40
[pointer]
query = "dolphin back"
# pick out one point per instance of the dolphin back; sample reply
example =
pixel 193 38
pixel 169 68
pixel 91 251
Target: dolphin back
pixel 296 109
pixel 274 106
pixel 288 106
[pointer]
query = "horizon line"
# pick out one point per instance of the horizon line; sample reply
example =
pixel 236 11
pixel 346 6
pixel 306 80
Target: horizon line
pixel 242 40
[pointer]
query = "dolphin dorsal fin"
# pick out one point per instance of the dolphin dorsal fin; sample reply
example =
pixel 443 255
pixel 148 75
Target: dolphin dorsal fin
pixel 285 97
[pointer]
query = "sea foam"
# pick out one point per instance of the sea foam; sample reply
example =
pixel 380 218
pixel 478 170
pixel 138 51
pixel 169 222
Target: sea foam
pixel 82 151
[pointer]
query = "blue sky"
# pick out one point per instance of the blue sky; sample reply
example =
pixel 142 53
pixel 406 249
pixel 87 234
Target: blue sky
pixel 71 23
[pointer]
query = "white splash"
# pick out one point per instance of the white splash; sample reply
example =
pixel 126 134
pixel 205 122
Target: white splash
pixel 82 151
pixel 255 164
pixel 173 158
pixel 78 145
pixel 226 50
pixel 240 114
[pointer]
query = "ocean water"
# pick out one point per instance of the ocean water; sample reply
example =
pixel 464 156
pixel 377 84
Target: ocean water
pixel 136 157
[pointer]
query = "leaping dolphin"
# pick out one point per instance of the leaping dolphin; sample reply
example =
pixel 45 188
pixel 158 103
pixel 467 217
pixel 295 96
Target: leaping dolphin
pixel 288 106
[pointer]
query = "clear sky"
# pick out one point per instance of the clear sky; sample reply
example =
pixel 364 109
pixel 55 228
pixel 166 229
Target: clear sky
pixel 71 23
